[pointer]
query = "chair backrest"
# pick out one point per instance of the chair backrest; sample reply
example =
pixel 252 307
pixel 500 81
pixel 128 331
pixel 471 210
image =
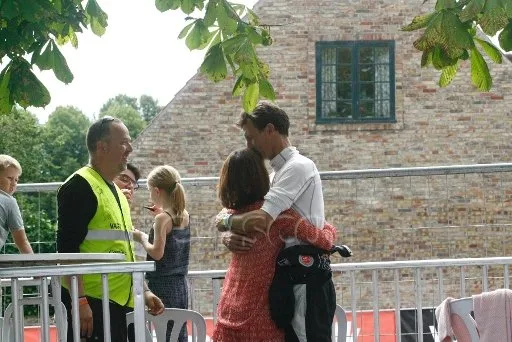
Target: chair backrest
pixel 339 327
pixel 463 325
pixel 179 317
pixel 62 323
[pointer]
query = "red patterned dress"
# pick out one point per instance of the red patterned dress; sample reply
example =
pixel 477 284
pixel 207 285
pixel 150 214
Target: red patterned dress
pixel 243 311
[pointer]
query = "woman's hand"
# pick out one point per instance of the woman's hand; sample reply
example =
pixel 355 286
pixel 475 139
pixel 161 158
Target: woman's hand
pixel 153 209
pixel 154 304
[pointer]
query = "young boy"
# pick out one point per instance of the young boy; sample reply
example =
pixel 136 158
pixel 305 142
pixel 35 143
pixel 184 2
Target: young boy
pixel 10 216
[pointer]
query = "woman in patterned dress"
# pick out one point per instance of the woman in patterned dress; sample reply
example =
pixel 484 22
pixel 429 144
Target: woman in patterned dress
pixel 243 311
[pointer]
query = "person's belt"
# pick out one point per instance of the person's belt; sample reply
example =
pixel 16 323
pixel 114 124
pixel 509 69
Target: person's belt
pixel 303 263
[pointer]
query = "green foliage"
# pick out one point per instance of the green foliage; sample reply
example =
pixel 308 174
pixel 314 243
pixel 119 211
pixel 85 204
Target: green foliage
pixel 28 26
pixel 232 42
pixel 130 117
pixel 121 99
pixel 37 27
pixel 135 114
pixel 149 107
pixel 64 137
pixel 450 35
pixel 22 137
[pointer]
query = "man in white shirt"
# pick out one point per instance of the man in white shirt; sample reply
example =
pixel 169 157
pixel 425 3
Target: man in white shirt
pixel 295 184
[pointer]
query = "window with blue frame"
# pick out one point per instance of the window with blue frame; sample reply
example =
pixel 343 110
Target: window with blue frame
pixel 355 81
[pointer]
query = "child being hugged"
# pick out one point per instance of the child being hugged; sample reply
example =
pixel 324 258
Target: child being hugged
pixel 168 243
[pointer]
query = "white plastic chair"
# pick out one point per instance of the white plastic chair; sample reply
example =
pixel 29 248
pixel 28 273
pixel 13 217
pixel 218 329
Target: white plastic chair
pixel 61 324
pixel 465 329
pixel 339 326
pixel 179 317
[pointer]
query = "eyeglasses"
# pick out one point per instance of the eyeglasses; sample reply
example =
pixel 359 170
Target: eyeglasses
pixel 128 180
pixel 106 119
pixel 102 129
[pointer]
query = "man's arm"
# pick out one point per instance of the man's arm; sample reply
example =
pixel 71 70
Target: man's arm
pixel 76 207
pixel 21 241
pixel 292 182
pixel 251 222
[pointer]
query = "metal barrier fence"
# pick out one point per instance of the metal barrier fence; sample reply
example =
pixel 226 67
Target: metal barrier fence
pixel 137 269
pixel 422 278
pixel 436 215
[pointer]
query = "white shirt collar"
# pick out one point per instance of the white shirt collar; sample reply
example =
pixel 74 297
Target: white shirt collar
pixel 278 161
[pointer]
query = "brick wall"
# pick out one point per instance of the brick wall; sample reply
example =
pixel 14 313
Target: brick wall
pixel 435 126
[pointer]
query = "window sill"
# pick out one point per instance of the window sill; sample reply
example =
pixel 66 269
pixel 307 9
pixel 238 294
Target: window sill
pixel 337 126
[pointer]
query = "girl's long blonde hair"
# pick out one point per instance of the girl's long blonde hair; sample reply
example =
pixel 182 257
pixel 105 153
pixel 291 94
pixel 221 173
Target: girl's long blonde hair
pixel 167 179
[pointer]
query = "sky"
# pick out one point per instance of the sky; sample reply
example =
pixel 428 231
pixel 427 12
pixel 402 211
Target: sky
pixel 138 54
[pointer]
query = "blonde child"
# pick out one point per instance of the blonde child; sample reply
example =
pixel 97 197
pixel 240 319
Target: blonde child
pixel 168 243
pixel 10 215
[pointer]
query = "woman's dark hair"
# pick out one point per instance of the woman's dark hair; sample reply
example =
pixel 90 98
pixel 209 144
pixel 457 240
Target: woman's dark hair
pixel 243 179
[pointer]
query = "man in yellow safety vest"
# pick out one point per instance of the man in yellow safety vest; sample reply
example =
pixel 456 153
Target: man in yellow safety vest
pixel 94 217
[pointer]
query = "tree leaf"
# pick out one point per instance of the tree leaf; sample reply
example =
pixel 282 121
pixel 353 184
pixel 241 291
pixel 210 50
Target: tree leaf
pixel 419 22
pixel 31 10
pixel 426 58
pixel 214 64
pixel 245 53
pixel 58 5
pixel 266 89
pixel 505 38
pixel 211 13
pixel 5 93
pixel 45 60
pixel 253 17
pixel 60 66
pixel 251 96
pixel 494 17
pixel 445 4
pixel 480 75
pixel 185 30
pixel 471 10
pixel 229 10
pixel 493 52
pixel 97 18
pixel 10 10
pixel 448 74
pixel 253 35
pixel 26 89
pixel 165 5
pixel 187 6
pixel 227 24
pixel 238 87
pixel 197 36
pixel 446 31
pixel 440 60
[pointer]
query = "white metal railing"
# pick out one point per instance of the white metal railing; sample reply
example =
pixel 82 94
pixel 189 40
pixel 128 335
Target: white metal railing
pixel 372 286
pixel 326 175
pixel 351 271
pixel 137 269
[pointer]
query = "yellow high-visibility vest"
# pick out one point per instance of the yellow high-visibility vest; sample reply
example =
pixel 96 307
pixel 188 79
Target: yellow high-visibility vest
pixel 109 231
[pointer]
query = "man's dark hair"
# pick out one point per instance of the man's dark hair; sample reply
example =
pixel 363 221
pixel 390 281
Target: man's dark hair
pixel 243 179
pixel 98 131
pixel 267 113
pixel 134 170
